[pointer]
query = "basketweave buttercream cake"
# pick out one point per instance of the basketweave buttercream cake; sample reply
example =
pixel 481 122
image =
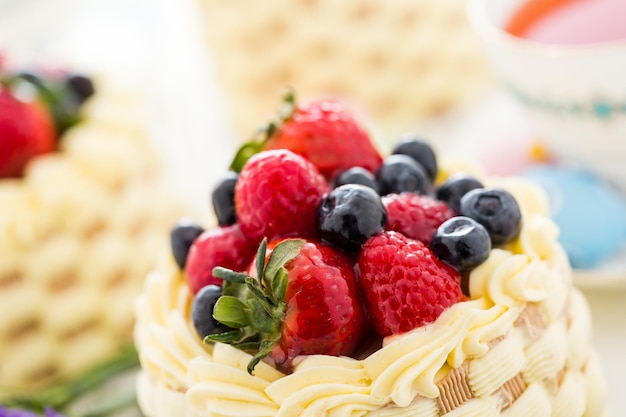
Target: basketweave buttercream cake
pixel 401 61
pixel 80 220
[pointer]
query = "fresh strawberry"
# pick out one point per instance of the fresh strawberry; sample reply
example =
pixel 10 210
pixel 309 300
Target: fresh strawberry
pixel 304 301
pixel 26 130
pixel 405 286
pixel 277 194
pixel 223 246
pixel 324 132
pixel 415 216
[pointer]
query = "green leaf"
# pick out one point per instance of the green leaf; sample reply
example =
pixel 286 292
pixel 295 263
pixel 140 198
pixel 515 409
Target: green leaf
pixel 245 152
pixel 280 283
pixel 284 252
pixel 230 311
pixel 260 258
pixel 258 293
pixel 226 337
pixel 264 349
pixel 261 316
pixel 285 111
pixel 229 275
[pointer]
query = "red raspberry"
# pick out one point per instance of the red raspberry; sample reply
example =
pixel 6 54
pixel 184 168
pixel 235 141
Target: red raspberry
pixel 415 216
pixel 223 246
pixel 326 133
pixel 277 195
pixel 405 286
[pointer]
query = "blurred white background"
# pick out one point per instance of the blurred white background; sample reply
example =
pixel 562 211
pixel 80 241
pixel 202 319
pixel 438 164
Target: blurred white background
pixel 154 46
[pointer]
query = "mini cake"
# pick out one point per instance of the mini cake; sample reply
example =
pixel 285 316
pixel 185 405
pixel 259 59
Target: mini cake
pixel 396 286
pixel 81 216
pixel 407 60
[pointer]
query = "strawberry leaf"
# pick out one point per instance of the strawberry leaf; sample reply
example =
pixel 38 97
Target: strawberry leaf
pixel 229 310
pixel 260 258
pixel 229 275
pixel 265 349
pixel 244 153
pixel 226 337
pixel 284 252
pixel 255 305
pixel 280 283
pixel 263 134
pixel 261 318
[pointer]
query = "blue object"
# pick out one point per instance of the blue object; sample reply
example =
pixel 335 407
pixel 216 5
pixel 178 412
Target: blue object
pixel 590 212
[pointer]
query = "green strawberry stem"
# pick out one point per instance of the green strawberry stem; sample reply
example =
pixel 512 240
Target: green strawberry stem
pixel 61 396
pixel 263 134
pixel 256 312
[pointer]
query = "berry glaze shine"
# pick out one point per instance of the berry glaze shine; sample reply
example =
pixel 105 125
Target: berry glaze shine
pixel 570 21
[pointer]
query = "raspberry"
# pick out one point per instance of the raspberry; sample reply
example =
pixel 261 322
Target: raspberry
pixel 223 246
pixel 277 194
pixel 415 216
pixel 404 284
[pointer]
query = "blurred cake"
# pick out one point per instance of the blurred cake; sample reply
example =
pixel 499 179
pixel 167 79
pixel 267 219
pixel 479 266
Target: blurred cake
pixel 402 61
pixel 465 287
pixel 80 223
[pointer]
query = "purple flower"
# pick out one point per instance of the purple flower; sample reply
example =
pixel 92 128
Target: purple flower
pixel 16 412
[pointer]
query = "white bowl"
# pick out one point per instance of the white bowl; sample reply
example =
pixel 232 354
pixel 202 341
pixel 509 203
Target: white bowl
pixel 575 95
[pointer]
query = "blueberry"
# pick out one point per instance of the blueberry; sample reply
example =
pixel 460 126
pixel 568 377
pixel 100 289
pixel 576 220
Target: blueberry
pixel 455 187
pixel 223 199
pixel 419 150
pixel 462 243
pixel 357 175
pixel 349 215
pixel 81 86
pixel 181 238
pixel 202 311
pixel 496 210
pixel 400 173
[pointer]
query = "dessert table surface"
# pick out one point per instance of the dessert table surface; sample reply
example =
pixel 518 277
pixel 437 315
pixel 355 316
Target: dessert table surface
pixel 162 41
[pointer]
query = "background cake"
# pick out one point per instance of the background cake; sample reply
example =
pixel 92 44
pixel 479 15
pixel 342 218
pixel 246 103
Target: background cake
pixel 402 61
pixel 78 232
pixel 516 341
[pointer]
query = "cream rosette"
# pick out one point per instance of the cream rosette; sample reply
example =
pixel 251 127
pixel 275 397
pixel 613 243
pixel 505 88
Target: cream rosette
pixel 520 345
pixel 78 234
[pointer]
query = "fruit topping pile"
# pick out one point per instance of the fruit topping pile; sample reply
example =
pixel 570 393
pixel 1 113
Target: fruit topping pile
pixel 322 243
pixel 35 109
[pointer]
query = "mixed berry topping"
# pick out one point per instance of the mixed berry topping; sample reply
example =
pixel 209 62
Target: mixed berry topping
pixel 401 173
pixel 357 175
pixel 35 109
pixel 496 210
pixel 349 215
pixel 182 236
pixel 202 311
pixel 348 244
pixel 462 243
pixel 223 199
pixel 420 151
pixel 455 187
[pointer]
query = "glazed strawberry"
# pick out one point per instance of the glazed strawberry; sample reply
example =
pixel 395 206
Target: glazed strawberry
pixel 305 302
pixel 26 130
pixel 415 216
pixel 324 132
pixel 327 134
pixel 404 285
pixel 277 194
pixel 223 246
